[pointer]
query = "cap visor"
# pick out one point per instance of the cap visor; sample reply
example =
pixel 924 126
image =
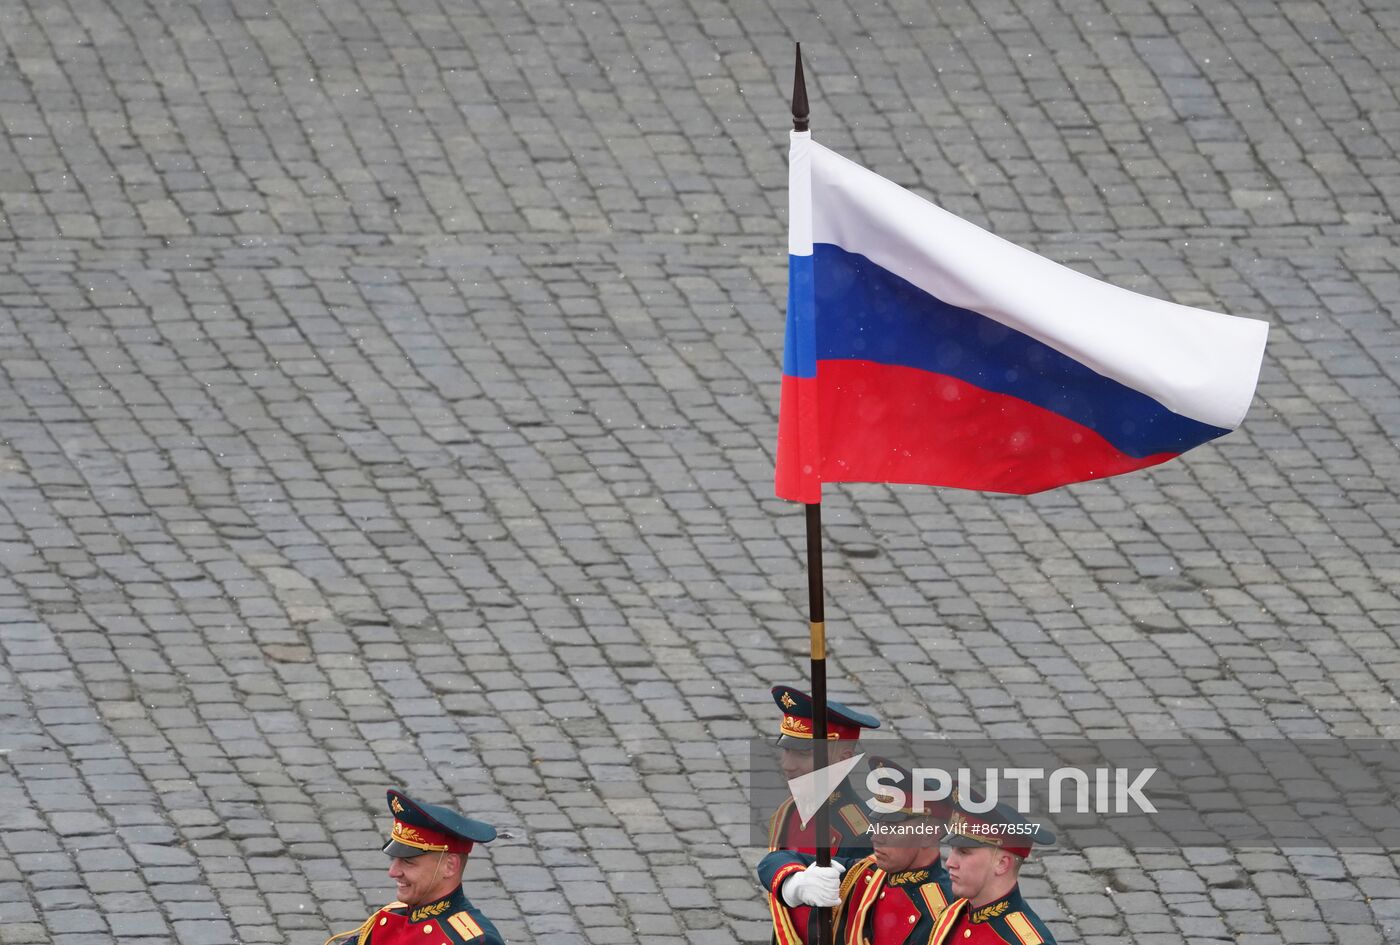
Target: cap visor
pixel 402 851
pixel 795 744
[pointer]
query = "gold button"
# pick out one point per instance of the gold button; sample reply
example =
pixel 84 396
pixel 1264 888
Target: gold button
pixel 867 880
pixel 428 929
pixel 382 921
pixel 913 919
pixel 882 894
pixel 967 933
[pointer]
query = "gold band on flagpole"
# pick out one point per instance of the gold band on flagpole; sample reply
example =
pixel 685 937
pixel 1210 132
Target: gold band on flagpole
pixel 818 639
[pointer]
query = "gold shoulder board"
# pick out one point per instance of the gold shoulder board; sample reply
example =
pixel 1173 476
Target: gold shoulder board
pixel 464 925
pixel 855 819
pixel 934 897
pixel 1023 929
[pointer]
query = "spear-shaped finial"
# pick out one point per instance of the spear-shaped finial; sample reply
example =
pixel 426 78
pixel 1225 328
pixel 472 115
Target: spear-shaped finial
pixel 799 95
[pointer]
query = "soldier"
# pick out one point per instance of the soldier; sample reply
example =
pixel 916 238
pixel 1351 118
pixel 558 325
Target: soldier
pixel 893 896
pixel 984 861
pixel 428 847
pixel 850 824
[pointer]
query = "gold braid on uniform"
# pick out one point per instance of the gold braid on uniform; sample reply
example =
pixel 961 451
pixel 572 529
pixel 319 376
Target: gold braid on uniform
pixel 361 932
pixel 857 870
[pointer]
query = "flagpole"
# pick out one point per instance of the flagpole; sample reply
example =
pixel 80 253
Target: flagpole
pixel 822 821
pixel 815 597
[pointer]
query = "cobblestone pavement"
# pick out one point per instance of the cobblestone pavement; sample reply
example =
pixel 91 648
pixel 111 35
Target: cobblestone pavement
pixel 387 396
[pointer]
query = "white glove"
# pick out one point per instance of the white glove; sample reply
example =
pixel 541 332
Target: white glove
pixel 814 886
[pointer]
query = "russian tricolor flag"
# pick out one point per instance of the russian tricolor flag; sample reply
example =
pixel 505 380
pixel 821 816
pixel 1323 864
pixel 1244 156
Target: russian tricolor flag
pixel 923 349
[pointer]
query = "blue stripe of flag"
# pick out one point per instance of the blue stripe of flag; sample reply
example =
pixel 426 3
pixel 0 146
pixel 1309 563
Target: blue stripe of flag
pixel 869 313
pixel 799 344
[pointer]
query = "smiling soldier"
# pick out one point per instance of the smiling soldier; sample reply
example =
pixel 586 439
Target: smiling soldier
pixel 428 848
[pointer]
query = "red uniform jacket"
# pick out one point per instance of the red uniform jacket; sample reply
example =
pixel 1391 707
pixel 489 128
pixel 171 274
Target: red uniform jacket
pixel 450 921
pixel 876 908
pixel 849 839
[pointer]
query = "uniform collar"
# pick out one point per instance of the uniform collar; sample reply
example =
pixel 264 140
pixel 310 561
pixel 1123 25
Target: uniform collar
pixel 452 902
pixel 993 910
pixel 931 873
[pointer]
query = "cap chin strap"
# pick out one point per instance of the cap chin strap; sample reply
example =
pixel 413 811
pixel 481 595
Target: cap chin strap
pixel 432 883
pixel 436 870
